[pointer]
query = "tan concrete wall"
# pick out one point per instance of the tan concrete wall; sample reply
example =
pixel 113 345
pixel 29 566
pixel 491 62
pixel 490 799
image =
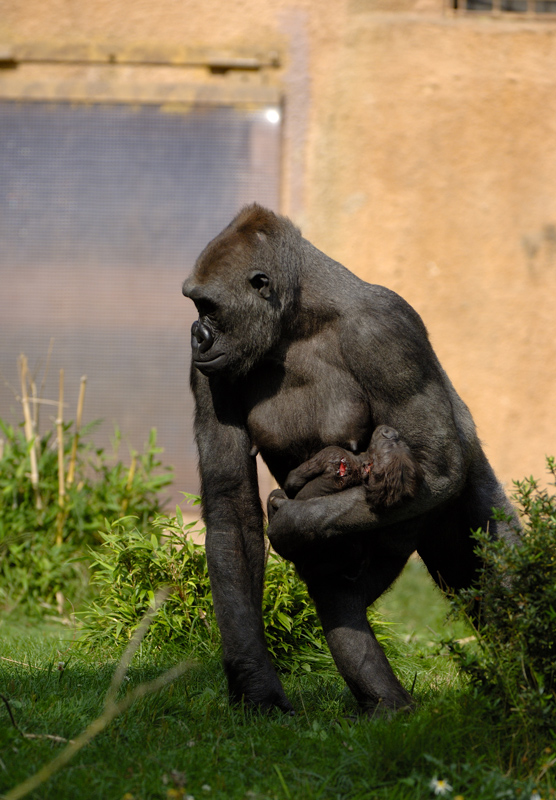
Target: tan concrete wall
pixel 419 150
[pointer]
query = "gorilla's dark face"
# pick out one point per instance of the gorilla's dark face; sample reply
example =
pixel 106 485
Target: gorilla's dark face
pixel 235 286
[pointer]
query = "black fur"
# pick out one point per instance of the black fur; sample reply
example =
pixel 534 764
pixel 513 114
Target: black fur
pixel 293 353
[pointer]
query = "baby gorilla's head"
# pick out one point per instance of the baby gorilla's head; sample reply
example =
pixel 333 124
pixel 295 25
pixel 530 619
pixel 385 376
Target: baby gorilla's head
pixel 393 474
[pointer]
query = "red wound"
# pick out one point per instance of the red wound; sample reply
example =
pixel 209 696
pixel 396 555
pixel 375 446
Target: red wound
pixel 342 469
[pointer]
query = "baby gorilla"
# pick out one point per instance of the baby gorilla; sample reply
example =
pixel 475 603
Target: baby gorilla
pixel 390 475
pixel 388 471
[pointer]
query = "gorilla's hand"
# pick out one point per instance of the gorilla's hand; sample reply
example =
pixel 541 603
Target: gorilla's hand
pixel 284 545
pixel 275 500
pixel 294 524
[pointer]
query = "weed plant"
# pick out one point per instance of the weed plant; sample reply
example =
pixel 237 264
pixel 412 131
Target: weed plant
pixel 41 537
pixel 513 658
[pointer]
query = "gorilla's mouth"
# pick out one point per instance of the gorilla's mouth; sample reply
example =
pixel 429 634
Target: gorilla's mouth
pixel 202 341
pixel 207 366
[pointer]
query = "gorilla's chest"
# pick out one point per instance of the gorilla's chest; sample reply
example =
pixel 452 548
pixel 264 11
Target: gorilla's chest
pixel 297 409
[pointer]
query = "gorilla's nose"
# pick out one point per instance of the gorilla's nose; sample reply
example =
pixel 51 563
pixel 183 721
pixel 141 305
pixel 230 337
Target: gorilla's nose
pixel 202 336
pixel 187 287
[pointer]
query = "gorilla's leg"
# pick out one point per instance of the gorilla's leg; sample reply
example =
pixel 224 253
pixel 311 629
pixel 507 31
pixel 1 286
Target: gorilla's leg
pixel 342 608
pixel 237 562
pixel 447 546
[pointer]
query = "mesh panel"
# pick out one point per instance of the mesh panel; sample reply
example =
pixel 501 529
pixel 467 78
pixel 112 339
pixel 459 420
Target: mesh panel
pixel 103 210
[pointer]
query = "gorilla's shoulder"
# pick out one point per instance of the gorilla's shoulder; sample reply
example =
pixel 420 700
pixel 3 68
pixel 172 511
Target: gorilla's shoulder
pixel 386 307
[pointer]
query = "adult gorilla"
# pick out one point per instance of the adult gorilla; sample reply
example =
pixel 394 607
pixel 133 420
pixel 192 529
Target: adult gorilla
pixel 293 353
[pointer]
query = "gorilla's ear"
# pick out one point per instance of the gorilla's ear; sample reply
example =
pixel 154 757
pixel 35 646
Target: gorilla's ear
pixel 261 283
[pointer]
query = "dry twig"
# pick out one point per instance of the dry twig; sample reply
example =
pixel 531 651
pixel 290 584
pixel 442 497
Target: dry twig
pixel 44 377
pixel 22 663
pixel 49 736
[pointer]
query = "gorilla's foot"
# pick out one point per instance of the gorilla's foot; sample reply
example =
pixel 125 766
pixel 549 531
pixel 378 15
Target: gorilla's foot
pixel 385 710
pixel 270 702
pixel 256 685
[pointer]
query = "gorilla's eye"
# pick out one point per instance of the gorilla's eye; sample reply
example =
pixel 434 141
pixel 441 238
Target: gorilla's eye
pixel 261 283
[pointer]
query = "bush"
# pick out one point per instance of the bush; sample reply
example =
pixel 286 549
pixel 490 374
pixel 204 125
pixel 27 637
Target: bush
pixel 514 655
pixel 40 537
pixel 133 564
pixel 128 569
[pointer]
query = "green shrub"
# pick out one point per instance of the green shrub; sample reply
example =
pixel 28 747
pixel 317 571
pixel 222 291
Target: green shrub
pixel 39 537
pixel 128 569
pixel 133 564
pixel 514 655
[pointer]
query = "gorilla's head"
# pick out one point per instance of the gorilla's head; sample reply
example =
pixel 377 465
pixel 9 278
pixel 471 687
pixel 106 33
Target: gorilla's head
pixel 244 285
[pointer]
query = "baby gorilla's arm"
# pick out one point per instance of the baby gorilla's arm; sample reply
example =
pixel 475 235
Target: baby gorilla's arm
pixel 332 469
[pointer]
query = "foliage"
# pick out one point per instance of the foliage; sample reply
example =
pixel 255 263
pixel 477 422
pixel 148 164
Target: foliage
pixel 133 564
pixel 40 536
pixel 514 656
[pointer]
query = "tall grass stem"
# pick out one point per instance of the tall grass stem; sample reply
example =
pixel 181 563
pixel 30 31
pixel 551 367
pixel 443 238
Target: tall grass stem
pixel 29 429
pixel 61 469
pixel 74 444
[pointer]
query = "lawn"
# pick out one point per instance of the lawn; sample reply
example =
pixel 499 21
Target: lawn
pixel 185 741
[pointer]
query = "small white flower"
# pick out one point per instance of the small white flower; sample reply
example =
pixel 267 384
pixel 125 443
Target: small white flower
pixel 205 787
pixel 536 796
pixel 440 787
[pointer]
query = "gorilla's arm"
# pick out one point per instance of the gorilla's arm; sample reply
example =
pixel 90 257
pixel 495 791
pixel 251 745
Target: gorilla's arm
pixel 297 523
pixel 234 545
pixel 409 392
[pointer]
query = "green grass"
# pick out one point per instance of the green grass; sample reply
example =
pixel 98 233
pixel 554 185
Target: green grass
pixel 417 606
pixel 185 739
